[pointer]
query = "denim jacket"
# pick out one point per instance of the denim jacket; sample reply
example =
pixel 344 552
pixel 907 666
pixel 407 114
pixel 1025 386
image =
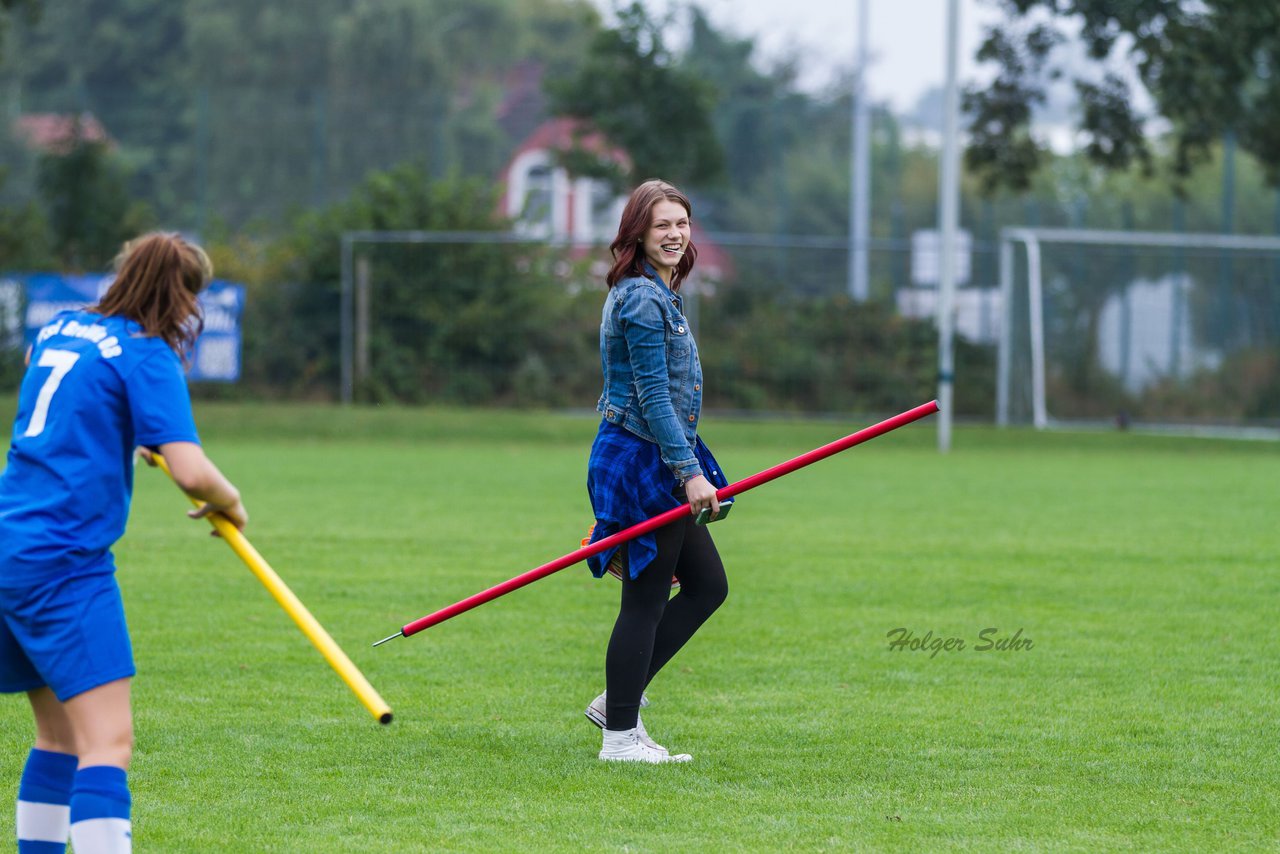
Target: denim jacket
pixel 652 377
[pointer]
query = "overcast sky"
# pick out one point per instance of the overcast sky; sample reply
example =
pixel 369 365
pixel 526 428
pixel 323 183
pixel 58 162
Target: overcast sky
pixel 906 38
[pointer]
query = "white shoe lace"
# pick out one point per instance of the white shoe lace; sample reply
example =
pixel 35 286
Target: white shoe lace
pixel 646 739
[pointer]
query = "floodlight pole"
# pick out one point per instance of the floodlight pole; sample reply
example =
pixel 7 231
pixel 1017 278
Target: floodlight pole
pixel 948 217
pixel 860 192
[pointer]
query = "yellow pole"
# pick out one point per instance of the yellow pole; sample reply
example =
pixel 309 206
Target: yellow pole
pixel 294 608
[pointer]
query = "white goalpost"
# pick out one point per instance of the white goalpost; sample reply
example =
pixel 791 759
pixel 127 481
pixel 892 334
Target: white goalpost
pixel 1033 240
pixel 355 297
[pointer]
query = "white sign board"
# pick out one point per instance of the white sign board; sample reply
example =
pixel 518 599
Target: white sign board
pixel 926 257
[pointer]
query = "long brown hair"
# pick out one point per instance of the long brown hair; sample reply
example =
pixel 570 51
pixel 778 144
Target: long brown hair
pixel 628 260
pixel 158 276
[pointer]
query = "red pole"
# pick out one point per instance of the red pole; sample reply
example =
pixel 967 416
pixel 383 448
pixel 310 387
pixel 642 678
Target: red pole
pixel 666 518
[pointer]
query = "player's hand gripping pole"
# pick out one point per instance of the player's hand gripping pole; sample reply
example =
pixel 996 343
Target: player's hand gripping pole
pixel 294 608
pixel 666 518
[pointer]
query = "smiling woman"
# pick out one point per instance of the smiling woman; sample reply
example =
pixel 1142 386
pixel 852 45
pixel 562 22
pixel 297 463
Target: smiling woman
pixel 667 237
pixel 648 458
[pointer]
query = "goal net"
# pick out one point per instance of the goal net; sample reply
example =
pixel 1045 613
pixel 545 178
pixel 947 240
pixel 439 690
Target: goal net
pixel 1158 329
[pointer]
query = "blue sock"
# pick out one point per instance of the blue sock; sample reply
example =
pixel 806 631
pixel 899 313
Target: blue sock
pixel 44 799
pixel 100 811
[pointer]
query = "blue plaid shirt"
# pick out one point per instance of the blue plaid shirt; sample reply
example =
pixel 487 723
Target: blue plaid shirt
pixel 628 482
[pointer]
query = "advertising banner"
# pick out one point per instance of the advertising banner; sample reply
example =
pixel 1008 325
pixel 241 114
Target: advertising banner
pixel 217 352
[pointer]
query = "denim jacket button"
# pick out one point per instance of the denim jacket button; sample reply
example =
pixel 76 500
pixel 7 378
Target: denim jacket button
pixel 697 386
pixel 680 329
pixel 690 417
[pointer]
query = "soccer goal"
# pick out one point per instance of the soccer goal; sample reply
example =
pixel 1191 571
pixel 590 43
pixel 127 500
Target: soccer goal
pixel 1152 328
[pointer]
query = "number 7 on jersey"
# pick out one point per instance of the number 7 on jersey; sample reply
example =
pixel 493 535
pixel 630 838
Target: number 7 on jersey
pixel 61 361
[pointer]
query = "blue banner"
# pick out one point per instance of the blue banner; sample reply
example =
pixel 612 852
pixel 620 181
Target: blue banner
pixel 217 352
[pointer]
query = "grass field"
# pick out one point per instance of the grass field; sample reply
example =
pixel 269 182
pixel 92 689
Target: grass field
pixel 1143 717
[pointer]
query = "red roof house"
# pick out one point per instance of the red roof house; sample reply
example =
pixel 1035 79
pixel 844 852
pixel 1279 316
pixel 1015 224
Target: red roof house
pixel 545 201
pixel 59 133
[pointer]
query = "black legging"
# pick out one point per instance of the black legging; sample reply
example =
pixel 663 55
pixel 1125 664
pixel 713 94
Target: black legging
pixel 650 628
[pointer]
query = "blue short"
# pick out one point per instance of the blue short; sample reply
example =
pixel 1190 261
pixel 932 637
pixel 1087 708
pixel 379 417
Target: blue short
pixel 68 633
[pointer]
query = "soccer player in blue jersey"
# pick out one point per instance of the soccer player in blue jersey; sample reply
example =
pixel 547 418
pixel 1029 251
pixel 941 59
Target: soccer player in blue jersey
pixel 99 383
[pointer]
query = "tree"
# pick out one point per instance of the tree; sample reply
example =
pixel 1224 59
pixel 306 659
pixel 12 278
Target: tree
pixel 20 232
pixel 90 213
pixel 6 6
pixel 756 114
pixel 124 61
pixel 24 232
pixel 236 111
pixel 460 323
pixel 630 88
pixel 1211 68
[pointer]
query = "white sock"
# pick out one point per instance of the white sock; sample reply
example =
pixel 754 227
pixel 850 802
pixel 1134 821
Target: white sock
pixel 103 836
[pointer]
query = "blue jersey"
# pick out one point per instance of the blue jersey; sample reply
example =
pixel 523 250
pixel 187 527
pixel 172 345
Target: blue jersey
pixel 95 389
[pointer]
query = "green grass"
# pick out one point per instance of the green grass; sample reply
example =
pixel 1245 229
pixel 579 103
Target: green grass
pixel 1143 718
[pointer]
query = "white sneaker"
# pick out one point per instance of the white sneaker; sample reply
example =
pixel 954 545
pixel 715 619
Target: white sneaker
pixel 627 746
pixel 596 714
pixel 596 711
